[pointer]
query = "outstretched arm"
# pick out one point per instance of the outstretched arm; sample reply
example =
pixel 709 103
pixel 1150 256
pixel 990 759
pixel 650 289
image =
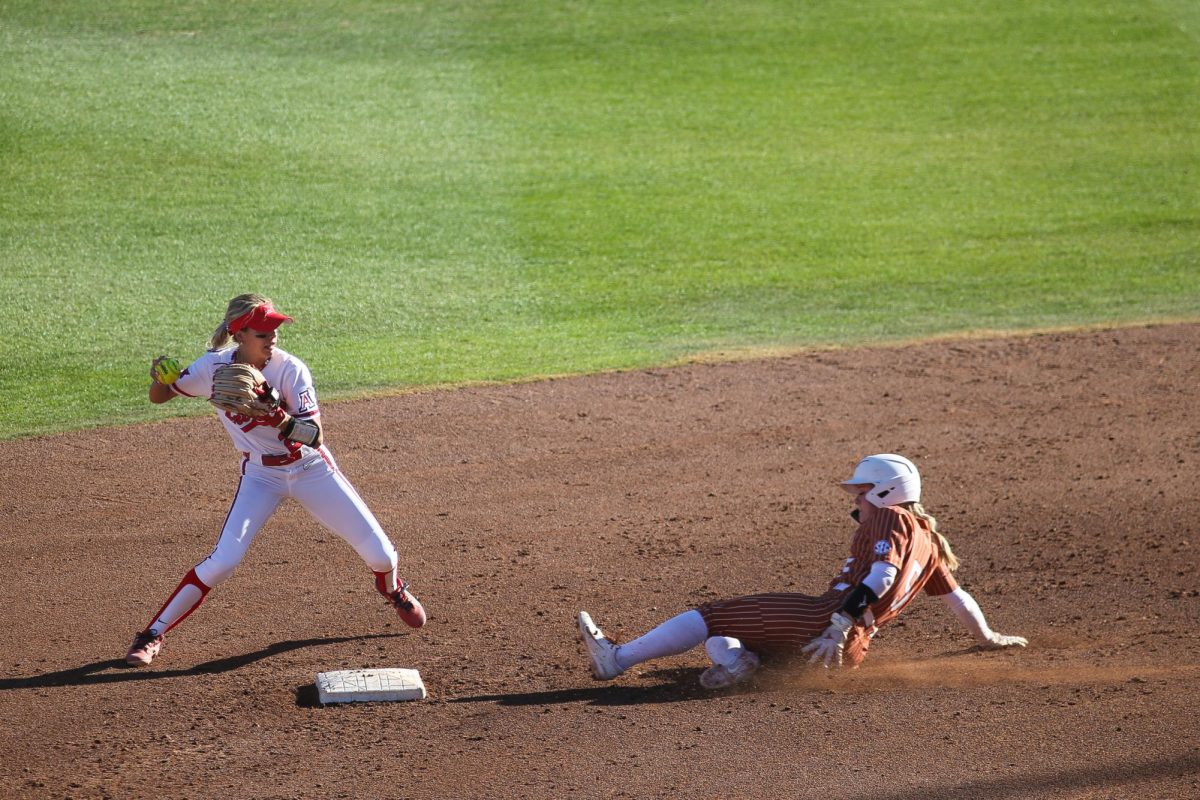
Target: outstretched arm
pixel 968 611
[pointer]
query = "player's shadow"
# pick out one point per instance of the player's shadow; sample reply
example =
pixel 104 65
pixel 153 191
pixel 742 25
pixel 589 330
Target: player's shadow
pixel 117 671
pixel 674 686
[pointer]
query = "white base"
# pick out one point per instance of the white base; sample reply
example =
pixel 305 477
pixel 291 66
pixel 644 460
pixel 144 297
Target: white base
pixel 366 685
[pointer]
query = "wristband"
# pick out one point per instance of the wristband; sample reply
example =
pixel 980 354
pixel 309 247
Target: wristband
pixel 304 431
pixel 859 599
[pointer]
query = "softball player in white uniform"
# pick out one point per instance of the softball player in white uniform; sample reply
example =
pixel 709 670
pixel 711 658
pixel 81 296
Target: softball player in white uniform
pixel 282 456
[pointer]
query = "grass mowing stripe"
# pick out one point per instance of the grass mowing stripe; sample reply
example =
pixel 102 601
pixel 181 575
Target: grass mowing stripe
pixel 489 191
pixel 955 186
pixel 332 222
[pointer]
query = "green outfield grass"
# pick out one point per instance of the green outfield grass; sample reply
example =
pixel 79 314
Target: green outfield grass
pixel 486 191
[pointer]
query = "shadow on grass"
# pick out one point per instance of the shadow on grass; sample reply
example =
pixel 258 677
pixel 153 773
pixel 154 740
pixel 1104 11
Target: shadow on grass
pixel 117 671
pixel 674 686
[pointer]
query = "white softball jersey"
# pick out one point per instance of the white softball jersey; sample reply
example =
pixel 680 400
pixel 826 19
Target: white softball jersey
pixel 273 470
pixel 286 373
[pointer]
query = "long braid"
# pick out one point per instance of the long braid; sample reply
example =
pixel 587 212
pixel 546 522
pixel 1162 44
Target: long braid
pixel 948 557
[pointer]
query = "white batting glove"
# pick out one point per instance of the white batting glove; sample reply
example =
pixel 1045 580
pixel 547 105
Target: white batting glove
pixel 829 645
pixel 998 641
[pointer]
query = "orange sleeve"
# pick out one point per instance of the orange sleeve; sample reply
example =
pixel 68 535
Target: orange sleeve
pixel 889 536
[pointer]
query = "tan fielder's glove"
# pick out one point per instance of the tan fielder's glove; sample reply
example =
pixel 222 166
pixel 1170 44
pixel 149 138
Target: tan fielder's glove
pixel 242 389
pixel 829 645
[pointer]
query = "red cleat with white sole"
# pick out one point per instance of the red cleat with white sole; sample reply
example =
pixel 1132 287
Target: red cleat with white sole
pixel 407 606
pixel 143 650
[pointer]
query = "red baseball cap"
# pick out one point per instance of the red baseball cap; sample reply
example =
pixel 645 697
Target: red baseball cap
pixel 262 318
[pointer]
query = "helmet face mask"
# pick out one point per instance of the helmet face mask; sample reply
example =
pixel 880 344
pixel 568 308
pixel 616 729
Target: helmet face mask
pixel 893 480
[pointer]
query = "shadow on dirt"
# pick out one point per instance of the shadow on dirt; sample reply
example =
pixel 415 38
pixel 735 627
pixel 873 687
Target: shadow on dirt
pixel 675 685
pixel 98 671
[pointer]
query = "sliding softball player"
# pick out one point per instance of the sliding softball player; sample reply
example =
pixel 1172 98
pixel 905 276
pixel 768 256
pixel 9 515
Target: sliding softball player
pixel 895 554
pixel 266 401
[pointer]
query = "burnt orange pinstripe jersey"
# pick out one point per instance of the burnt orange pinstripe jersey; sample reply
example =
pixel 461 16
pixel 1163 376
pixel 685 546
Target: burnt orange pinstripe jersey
pixel 783 622
pixel 901 538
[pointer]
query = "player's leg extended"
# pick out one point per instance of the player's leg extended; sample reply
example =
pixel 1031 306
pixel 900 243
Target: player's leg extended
pixel 260 492
pixel 322 489
pixel 257 497
pixel 677 635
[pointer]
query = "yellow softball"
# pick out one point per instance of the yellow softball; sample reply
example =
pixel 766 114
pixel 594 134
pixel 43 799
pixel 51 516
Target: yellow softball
pixel 166 370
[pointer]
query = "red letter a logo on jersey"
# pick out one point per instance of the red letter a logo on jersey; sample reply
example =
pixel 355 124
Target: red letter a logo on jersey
pixel 305 401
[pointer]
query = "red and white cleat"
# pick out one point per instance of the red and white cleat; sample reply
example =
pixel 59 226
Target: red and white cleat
pixel 143 650
pixel 407 606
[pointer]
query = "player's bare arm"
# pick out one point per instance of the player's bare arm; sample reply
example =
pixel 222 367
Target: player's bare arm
pixel 160 393
pixel 164 371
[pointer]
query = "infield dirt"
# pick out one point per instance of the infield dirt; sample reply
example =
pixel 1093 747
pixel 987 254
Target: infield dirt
pixel 1063 467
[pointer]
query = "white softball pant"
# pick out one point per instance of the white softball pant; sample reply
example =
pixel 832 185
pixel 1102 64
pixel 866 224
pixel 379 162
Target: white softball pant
pixel 319 486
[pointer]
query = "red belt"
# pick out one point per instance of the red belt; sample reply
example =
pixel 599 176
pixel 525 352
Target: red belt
pixel 276 461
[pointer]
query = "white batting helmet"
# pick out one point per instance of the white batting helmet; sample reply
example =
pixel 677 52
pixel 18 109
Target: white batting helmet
pixel 895 479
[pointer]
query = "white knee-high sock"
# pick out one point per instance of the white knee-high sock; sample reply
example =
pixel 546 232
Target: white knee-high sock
pixel 186 598
pixel 677 635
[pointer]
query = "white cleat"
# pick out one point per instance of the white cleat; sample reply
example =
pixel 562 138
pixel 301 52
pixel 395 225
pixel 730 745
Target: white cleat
pixel 719 676
pixel 600 650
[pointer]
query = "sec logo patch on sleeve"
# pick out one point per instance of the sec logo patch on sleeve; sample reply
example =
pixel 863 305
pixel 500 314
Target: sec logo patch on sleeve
pixel 882 548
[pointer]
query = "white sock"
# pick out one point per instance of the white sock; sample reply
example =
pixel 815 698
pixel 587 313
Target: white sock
pixel 677 635
pixel 724 650
pixel 187 598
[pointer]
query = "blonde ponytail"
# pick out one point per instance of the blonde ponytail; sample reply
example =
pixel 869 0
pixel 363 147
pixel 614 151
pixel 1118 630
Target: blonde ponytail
pixel 238 306
pixel 219 338
pixel 943 544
